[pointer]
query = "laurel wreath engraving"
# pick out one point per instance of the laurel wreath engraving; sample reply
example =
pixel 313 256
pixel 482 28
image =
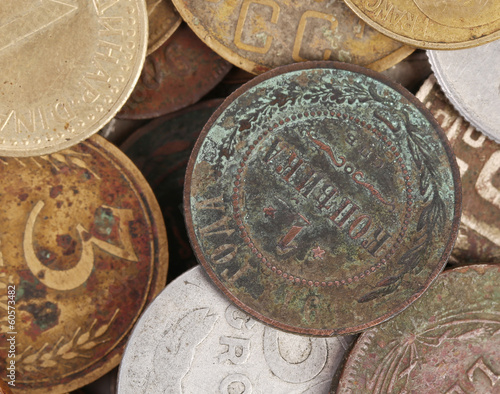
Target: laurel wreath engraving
pixel 432 217
pixel 402 358
pixel 67 157
pixel 64 349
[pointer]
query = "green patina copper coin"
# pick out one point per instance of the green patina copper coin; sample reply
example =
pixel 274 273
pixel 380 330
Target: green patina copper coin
pixel 446 342
pixel 322 198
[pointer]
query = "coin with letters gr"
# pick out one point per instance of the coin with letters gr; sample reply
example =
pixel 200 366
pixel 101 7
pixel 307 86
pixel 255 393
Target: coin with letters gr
pixel 193 340
pixel 67 66
pixel 83 250
pixel 322 198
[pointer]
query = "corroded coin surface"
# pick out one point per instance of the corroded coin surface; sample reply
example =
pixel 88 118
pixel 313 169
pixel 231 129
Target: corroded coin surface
pixel 192 339
pixel 433 24
pixel 178 74
pixel 322 199
pixel 163 21
pixel 446 342
pixel 470 79
pixel 67 68
pixel 258 35
pixel 83 250
pixel 161 151
pixel 479 161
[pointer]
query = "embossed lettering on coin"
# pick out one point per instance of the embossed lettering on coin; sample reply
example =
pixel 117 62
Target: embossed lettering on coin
pixel 192 337
pixel 317 187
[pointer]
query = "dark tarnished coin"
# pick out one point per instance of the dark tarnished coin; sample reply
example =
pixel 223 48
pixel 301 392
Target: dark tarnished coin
pixel 410 72
pixel 161 151
pixel 193 340
pixel 83 250
pixel 322 198
pixel 446 342
pixel 258 35
pixel 163 22
pixel 178 74
pixel 478 159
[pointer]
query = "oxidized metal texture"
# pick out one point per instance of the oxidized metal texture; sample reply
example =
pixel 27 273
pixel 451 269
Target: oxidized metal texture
pixel 4 387
pixel 258 35
pixel 67 68
pixel 83 242
pixel 178 74
pixel 446 342
pixel 433 24
pixel 192 339
pixel 479 161
pixel 471 81
pixel 161 151
pixel 322 198
pixel 163 21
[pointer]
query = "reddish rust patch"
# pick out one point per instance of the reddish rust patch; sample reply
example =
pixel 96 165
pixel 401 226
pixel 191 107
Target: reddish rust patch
pixel 67 243
pixel 23 196
pixel 55 191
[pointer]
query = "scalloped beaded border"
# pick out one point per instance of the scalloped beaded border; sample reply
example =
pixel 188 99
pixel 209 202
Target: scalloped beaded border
pixel 295 279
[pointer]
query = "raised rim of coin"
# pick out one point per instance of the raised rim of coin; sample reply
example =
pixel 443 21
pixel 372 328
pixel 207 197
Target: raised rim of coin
pixel 153 45
pixel 455 207
pixel 441 43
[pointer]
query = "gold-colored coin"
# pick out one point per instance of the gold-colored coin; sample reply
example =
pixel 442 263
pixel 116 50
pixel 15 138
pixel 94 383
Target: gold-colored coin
pixel 163 22
pixel 67 67
pixel 433 24
pixel 83 250
pixel 258 35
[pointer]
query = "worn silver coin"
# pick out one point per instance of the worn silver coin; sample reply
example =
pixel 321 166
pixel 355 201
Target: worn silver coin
pixel 193 340
pixel 470 78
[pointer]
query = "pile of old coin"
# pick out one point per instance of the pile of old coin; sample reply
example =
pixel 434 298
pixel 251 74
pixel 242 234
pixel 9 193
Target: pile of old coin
pixel 274 143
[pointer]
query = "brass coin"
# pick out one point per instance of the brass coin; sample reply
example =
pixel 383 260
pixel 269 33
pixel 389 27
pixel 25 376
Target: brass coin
pixel 478 159
pixel 258 35
pixel 446 342
pixel 433 24
pixel 322 198
pixel 82 251
pixel 163 22
pixel 67 68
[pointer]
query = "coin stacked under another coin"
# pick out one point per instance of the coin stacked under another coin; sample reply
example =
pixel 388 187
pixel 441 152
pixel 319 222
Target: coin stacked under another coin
pixel 321 199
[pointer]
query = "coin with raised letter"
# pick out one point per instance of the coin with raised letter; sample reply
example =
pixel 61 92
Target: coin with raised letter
pixel 446 342
pixel 67 66
pixel 258 35
pixel 192 339
pixel 83 250
pixel 433 24
pixel 322 198
pixel 478 159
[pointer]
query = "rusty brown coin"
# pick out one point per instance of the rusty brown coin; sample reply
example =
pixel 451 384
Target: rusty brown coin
pixel 161 151
pixel 4 387
pixel 322 198
pixel 446 342
pixel 479 161
pixel 178 74
pixel 83 250
pixel 258 35
pixel 163 22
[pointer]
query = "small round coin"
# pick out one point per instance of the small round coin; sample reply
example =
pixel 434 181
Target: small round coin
pixel 83 250
pixel 433 24
pixel 192 339
pixel 322 198
pixel 470 78
pixel 264 34
pixel 163 21
pixel 161 151
pixel 175 76
pixel 479 161
pixel 67 68
pixel 446 342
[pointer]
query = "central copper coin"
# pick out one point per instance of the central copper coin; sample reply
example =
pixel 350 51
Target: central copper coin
pixel 322 199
